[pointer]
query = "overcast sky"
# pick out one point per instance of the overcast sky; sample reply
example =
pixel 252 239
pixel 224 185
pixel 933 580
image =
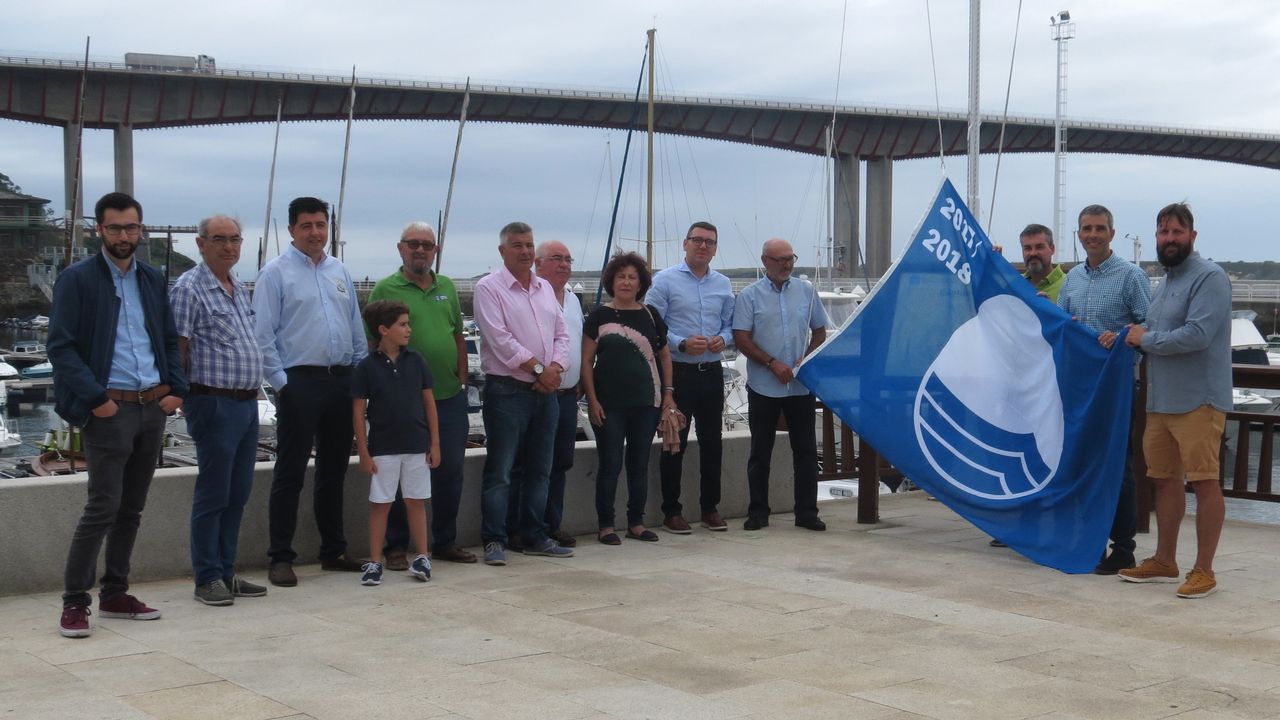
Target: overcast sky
pixel 1180 63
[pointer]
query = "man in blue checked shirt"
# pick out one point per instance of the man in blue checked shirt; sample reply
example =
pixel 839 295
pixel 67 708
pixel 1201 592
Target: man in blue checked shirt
pixel 776 322
pixel 224 366
pixel 696 303
pixel 1107 293
pixel 307 322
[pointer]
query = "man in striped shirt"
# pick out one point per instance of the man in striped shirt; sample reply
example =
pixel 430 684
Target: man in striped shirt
pixel 224 365
pixel 1107 293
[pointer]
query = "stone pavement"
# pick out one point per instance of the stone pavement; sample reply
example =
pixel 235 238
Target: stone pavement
pixel 914 617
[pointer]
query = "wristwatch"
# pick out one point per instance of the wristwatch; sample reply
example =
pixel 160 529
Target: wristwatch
pixel 539 368
pixel 680 347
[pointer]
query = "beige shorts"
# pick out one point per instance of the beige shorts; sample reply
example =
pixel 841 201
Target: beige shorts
pixel 1187 443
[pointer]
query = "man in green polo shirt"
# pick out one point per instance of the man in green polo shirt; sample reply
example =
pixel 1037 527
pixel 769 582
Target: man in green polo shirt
pixel 1037 258
pixel 435 316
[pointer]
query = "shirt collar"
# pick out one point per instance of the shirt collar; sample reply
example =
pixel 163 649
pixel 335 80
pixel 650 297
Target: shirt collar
pixel 305 257
pixel 115 269
pixel 398 277
pixel 509 279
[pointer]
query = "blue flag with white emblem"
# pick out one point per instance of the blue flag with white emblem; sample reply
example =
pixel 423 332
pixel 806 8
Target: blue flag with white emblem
pixel 987 396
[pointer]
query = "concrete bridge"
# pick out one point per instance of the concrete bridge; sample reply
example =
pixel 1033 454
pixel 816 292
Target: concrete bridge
pixel 120 98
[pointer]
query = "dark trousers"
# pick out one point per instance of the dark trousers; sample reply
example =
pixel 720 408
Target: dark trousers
pixel 313 411
pixel 121 452
pixel 446 482
pixel 762 416
pixel 226 435
pixel 699 394
pixel 561 463
pixel 1124 528
pixel 517 421
pixel 634 428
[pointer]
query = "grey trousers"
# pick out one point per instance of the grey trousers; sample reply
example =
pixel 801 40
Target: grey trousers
pixel 121 452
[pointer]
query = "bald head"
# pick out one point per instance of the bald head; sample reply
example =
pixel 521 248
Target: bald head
pixel 779 260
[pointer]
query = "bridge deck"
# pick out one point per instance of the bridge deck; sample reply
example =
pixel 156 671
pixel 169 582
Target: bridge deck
pixel 914 617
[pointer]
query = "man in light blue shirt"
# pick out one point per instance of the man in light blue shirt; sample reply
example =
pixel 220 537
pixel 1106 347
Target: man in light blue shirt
pixel 1107 293
pixel 776 322
pixel 307 322
pixel 696 302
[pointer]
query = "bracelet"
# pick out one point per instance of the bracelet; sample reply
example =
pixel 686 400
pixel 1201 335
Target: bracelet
pixel 668 388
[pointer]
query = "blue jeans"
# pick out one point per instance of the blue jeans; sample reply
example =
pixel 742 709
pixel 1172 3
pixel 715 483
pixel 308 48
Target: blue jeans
pixel 226 435
pixel 122 452
pixel 446 481
pixel 635 427
pixel 517 421
pixel 561 463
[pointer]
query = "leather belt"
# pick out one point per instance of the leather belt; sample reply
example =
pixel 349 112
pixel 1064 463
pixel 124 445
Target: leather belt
pixel 198 389
pixel 698 367
pixel 570 391
pixel 339 370
pixel 138 397
pixel 508 380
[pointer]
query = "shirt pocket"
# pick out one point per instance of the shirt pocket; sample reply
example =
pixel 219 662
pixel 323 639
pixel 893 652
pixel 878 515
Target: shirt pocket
pixel 223 328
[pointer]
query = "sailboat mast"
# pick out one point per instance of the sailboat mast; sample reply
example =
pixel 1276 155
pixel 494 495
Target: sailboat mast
pixel 453 172
pixel 74 210
pixel 975 121
pixel 271 185
pixel 346 150
pixel 648 254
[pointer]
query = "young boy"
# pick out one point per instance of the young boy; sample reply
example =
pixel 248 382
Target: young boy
pixel 392 389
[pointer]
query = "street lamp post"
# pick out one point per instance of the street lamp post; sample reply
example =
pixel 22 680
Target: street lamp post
pixel 1137 246
pixel 1062 30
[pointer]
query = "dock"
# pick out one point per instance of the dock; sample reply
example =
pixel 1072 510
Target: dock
pixel 912 617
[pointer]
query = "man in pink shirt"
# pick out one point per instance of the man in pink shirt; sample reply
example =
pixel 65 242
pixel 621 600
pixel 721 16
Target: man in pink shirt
pixel 523 350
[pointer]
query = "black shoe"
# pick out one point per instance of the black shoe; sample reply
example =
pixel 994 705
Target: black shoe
pixel 1114 563
pixel 755 523
pixel 996 543
pixel 811 523
pixel 281 575
pixel 341 563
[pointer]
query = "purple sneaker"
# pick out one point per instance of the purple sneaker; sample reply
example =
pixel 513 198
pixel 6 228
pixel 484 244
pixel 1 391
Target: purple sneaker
pixel 128 607
pixel 75 621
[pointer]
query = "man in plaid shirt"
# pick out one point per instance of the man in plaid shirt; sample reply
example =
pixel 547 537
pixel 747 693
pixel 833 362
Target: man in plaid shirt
pixel 1107 293
pixel 224 364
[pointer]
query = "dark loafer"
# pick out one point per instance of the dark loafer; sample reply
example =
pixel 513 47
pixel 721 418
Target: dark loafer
pixel 811 523
pixel 610 539
pixel 281 575
pixel 454 554
pixel 341 563
pixel 647 536
pixel 564 539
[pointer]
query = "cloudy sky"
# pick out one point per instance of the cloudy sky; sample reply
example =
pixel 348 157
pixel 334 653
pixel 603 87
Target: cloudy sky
pixel 1173 62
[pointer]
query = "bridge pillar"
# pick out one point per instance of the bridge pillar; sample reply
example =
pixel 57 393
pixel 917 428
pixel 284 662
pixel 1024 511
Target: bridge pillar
pixel 123 136
pixel 847 198
pixel 879 216
pixel 74 197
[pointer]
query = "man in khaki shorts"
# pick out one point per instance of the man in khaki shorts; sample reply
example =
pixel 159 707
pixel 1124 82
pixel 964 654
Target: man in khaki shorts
pixel 1187 340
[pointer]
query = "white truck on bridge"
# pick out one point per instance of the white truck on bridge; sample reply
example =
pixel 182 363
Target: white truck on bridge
pixel 169 63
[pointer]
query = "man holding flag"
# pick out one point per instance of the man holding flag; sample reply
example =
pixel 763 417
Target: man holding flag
pixel 989 398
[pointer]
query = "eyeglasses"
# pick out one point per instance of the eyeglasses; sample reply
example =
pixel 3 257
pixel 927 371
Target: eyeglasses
pixel 226 240
pixel 782 260
pixel 419 245
pixel 566 259
pixel 706 242
pixel 117 230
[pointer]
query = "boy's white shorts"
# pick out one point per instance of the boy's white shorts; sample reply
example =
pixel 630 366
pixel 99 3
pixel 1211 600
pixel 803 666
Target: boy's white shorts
pixel 408 472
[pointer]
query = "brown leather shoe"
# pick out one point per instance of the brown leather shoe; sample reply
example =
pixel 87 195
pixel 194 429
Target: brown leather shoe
pixel 342 563
pixel 564 539
pixel 281 575
pixel 676 524
pixel 713 521
pixel 453 554
pixel 396 560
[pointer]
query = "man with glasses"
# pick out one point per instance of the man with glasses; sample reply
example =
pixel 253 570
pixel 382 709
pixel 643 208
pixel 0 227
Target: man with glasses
pixel 307 322
pixel 553 263
pixel 116 375
pixel 435 317
pixel 224 365
pixel 777 321
pixel 696 303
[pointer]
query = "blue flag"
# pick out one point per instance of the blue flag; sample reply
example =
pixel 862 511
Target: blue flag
pixel 986 395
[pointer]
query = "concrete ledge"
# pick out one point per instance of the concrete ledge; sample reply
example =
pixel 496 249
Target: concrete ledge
pixel 38 515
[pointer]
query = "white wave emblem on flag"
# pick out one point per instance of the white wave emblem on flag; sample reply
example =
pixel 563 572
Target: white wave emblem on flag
pixel 988 413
